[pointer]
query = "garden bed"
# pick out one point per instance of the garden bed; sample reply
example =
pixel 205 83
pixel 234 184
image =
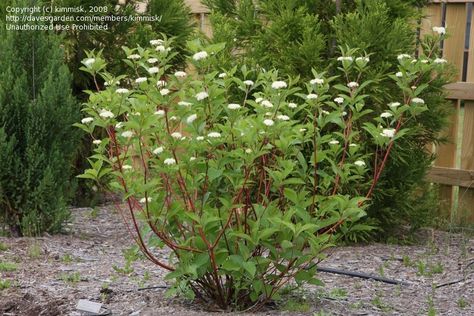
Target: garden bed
pixel 48 275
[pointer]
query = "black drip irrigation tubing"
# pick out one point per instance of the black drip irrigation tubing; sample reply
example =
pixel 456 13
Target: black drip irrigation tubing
pixel 361 275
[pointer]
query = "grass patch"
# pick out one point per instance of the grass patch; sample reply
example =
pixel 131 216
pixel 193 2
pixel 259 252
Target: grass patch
pixel 3 246
pixel 5 284
pixel 7 266
pixel 73 277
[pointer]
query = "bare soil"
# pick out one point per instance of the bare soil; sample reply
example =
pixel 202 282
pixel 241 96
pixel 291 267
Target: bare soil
pixel 50 274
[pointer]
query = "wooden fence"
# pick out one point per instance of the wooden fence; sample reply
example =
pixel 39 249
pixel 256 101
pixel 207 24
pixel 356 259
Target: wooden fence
pixel 454 166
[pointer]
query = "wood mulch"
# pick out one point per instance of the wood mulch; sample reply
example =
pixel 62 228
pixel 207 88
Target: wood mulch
pixel 50 274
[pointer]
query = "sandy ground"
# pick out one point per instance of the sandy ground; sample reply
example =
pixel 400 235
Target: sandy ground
pixel 49 275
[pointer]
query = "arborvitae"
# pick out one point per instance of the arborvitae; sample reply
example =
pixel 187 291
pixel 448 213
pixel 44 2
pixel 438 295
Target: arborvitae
pixel 37 139
pixel 297 35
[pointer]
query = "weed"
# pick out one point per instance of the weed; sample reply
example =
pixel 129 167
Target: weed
pixel 356 305
pixel 382 270
pixel 338 293
pixel 431 308
pixel 407 262
pixel 422 268
pixel 74 277
pixel 67 258
pixel 5 284
pixel 7 266
pixel 93 213
pixel 34 251
pixel 377 302
pixel 437 268
pixel 296 305
pixel 3 246
pixel 462 303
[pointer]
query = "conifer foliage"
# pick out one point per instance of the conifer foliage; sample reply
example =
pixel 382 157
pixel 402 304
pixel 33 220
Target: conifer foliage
pixel 37 140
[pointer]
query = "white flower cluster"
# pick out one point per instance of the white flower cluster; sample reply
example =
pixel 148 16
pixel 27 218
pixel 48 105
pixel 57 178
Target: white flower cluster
pixel 345 58
pixel 200 55
pixel 201 96
pixel 388 132
pixel 439 29
pixel 279 85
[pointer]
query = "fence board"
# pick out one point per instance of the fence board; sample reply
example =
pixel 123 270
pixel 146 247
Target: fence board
pixel 451 176
pixel 466 196
pixel 461 90
pixel 453 50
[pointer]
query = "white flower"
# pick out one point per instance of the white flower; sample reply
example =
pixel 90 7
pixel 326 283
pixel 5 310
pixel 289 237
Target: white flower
pixel 283 117
pixel 248 82
pixel 344 113
pixel 324 112
pixel 144 200
pixel 352 145
pixel 160 112
pixel 317 81
pixel 359 163
pixel 233 106
pixel 279 85
pixel 439 29
pixel 106 114
pixel 386 115
pixel 184 103
pixel 258 100
pixel 366 59
pixel 160 48
pixel 311 96
pixel 267 104
pixel 141 79
pixel 302 130
pixel 214 135
pixel 176 135
pixel 425 61
pixel 153 70
pixel 394 104
pixel 399 74
pixel 201 95
pixel 200 138
pixel 200 55
pixel 158 150
pixel 180 74
pixel 173 118
pixel 248 151
pixel 134 56
pixel 352 84
pixel 126 167
pixel 156 42
pixel 119 125
pixel 345 58
pixel 268 122
pixel 127 134
pixel 269 114
pixel 292 105
pixel 334 142
pixel 152 60
pixel 192 158
pixel 418 101
pixel 191 118
pixel 164 92
pixel 89 61
pixel 222 75
pixel 169 161
pixel 339 100
pixel 160 83
pixel 388 132
pixel 96 141
pixel 440 61
pixel 402 56
pixel 87 120
pixel 121 90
